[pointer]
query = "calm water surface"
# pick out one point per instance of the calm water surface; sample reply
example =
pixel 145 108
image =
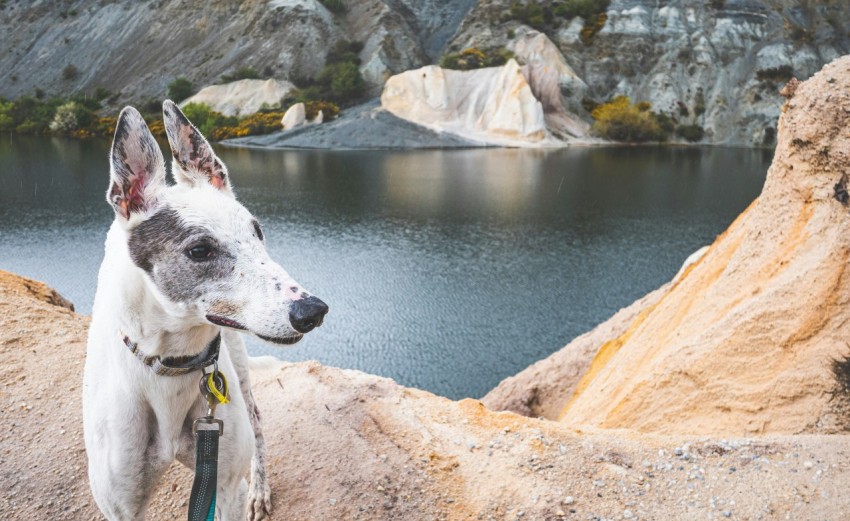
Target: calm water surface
pixel 446 270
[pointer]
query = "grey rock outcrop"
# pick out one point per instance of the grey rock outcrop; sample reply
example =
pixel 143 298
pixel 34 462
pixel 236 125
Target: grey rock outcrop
pixel 717 64
pixel 137 48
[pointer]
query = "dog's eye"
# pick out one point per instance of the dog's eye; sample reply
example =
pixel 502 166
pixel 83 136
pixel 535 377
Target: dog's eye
pixel 200 252
pixel 258 231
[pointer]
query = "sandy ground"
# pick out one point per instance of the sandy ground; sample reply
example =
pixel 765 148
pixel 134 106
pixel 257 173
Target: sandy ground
pixel 347 445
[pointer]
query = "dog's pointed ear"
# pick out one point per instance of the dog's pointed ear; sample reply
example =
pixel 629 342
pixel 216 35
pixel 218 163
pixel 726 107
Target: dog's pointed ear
pixel 137 168
pixel 195 163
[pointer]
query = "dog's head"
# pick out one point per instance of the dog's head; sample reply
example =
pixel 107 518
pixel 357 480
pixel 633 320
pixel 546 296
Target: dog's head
pixel 202 253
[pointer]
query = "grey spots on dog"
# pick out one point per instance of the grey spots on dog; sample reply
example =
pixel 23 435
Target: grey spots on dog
pixel 151 238
pixel 257 230
pixel 158 246
pixel 277 286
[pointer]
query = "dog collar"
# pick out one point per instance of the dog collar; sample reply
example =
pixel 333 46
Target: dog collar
pixel 177 365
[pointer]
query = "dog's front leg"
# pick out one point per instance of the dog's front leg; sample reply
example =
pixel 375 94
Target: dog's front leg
pixel 259 492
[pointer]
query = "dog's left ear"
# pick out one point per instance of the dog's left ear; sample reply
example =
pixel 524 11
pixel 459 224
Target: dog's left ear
pixel 195 163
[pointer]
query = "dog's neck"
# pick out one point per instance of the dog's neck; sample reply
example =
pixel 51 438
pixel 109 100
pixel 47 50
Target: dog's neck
pixel 159 328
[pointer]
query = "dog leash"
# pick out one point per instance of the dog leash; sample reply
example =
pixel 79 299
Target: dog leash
pixel 213 386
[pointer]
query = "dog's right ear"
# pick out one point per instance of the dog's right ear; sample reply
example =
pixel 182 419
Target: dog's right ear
pixel 137 168
pixel 195 163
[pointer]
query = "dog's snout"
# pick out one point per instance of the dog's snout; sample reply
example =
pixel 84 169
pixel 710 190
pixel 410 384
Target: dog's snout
pixel 307 314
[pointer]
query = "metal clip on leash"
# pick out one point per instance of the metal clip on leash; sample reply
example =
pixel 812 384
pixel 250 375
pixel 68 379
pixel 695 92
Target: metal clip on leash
pixel 213 388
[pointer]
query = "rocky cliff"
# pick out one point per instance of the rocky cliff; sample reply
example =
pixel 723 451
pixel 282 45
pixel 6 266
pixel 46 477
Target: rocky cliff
pixel 137 48
pixel 717 64
pixel 746 338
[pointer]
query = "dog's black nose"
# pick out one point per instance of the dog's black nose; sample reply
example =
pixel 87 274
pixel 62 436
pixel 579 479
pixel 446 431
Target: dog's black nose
pixel 307 314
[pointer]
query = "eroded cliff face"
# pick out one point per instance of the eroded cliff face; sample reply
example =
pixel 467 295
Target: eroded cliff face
pixel 137 48
pixel 745 339
pixel 718 64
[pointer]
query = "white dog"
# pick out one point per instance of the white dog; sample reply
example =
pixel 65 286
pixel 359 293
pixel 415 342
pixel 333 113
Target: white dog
pixel 185 267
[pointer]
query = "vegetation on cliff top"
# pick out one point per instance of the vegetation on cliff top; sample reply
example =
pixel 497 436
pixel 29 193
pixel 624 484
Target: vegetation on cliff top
pixel 473 58
pixel 548 16
pixel 78 116
pixel 339 82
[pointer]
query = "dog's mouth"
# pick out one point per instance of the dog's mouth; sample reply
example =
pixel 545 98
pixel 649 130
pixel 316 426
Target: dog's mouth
pixel 232 324
pixel 226 322
pixel 286 340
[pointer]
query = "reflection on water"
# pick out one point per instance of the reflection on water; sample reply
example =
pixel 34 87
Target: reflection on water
pixel 446 270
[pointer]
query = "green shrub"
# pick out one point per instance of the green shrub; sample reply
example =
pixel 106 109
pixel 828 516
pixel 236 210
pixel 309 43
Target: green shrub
pixel 546 16
pixel 339 81
pixel 591 27
pixel 472 58
pixel 780 73
pixel 7 122
pixel 70 72
pixel 346 82
pixel 65 119
pixel 206 119
pixel 330 111
pixel 344 51
pixel 335 6
pixel 692 133
pixel 620 120
pixel 699 106
pixel 536 15
pixel 586 9
pixel 246 73
pixel 180 89
pixel 589 104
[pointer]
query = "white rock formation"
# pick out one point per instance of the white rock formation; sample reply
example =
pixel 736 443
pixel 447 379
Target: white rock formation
pixel 295 116
pixel 493 105
pixel 243 97
pixel 553 82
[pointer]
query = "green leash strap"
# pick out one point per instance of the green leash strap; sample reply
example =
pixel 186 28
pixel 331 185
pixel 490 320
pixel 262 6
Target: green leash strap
pixel 202 500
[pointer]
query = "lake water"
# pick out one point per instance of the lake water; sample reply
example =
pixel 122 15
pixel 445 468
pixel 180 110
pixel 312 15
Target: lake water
pixel 445 270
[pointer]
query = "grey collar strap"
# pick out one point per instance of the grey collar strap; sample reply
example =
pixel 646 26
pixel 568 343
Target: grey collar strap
pixel 177 365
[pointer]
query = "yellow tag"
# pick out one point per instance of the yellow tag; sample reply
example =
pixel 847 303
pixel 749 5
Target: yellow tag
pixel 220 395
